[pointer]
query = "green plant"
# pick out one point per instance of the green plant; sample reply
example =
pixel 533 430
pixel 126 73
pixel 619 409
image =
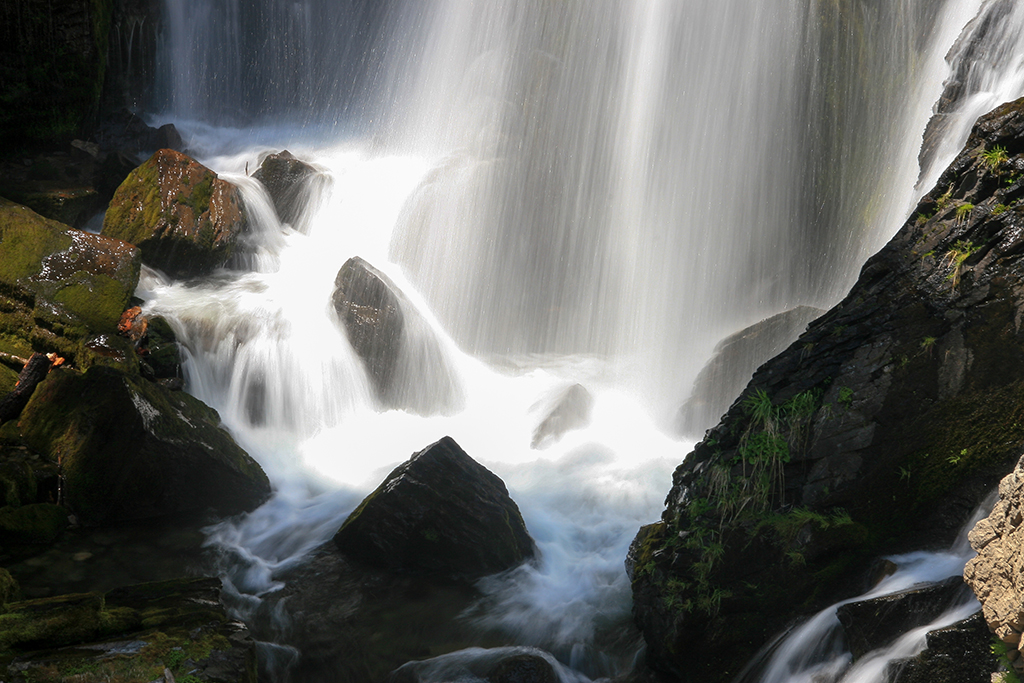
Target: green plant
pixel 845 397
pixel 921 219
pixel 963 212
pixel 905 474
pixel 928 344
pixel 943 201
pixel 1001 651
pixel 955 257
pixel 999 209
pixel 763 414
pixel 994 158
pixel 956 458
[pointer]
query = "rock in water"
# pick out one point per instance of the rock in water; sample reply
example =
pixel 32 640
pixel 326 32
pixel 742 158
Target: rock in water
pixel 285 178
pixel 439 513
pixel 571 411
pixel 735 359
pixel 958 653
pixel 184 218
pixel 130 449
pixel 369 305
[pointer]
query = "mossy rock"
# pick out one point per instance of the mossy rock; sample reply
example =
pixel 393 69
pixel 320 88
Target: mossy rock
pixel 9 589
pixel 31 524
pixel 185 219
pixel 131 449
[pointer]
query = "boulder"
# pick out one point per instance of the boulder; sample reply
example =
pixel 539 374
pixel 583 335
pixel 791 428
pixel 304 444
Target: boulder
pixel 130 449
pixel 286 179
pixel 885 424
pixel 571 410
pixel 959 653
pixel 441 514
pixel 369 306
pixel 36 523
pixel 184 219
pixel 497 665
pixel 996 574
pixel 735 358
pixel 874 623
pixel 145 632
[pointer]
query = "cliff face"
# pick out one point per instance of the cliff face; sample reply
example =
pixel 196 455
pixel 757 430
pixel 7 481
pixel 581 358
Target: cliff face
pixel 883 424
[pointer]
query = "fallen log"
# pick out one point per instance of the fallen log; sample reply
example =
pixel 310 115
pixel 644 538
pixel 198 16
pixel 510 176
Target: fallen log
pixel 32 374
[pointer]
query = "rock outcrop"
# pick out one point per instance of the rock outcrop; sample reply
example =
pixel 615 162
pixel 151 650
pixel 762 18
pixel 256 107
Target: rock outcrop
pixel 130 449
pixel 996 575
pixel 184 219
pixel 440 514
pixel 735 358
pixel 885 423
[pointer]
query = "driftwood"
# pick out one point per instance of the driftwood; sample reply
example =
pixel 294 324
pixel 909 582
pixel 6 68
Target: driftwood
pixel 32 374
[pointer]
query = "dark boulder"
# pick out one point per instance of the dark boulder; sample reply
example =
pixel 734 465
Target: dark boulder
pixel 498 665
pixel 871 624
pixel 130 449
pixel 286 179
pixel 959 653
pixel 884 424
pixel 440 514
pixel 735 358
pixel 184 219
pixel 369 306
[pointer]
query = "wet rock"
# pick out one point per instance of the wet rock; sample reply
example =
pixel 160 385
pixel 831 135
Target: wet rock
pixel 125 133
pixel 130 449
pixel 995 573
pixel 35 523
pixel 498 665
pixel 440 513
pixel 871 624
pixel 959 653
pixel 286 179
pixel 133 633
pixel 885 424
pixel 369 306
pixel 570 411
pixel 185 220
pixel 9 590
pixel 735 359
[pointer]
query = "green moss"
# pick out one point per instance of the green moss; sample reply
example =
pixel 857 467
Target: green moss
pixel 25 239
pixel 30 524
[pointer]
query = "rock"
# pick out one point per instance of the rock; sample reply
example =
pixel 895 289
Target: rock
pixel 959 653
pixel 130 449
pixel 286 179
pixel 184 219
pixel 871 624
pixel 36 523
pixel 995 573
pixel 440 513
pixel 735 358
pixel 133 633
pixel 571 411
pixel 122 132
pixel 883 425
pixel 9 590
pixel 498 665
pixel 369 306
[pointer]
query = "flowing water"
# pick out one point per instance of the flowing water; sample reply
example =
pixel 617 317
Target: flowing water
pixel 586 192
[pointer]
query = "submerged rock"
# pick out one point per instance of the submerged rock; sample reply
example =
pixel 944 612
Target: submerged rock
pixel 571 411
pixel 884 424
pixel 184 219
pixel 130 449
pixel 440 513
pixel 146 632
pixel 735 359
pixel 286 179
pixel 871 624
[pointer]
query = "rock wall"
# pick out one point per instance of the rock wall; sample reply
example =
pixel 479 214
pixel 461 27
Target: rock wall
pixel 881 426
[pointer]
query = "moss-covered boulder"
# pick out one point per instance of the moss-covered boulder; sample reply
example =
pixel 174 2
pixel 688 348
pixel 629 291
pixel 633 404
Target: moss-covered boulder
pixel 130 449
pixel 36 523
pixel 184 218
pixel 135 633
pixel 884 424
pixel 439 513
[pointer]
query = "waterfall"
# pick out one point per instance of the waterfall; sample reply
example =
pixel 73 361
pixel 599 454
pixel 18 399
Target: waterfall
pixel 586 192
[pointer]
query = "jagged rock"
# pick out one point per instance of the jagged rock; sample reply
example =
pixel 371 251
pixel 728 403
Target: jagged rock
pixel 184 219
pixel 959 653
pixel 996 575
pixel 130 449
pixel 439 513
pixel 369 305
pixel 885 423
pixel 285 178
pixel 132 633
pixel 871 624
pixel 735 358
pixel 570 411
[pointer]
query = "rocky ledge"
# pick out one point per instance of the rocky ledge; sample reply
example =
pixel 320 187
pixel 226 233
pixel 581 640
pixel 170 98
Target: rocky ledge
pixel 884 424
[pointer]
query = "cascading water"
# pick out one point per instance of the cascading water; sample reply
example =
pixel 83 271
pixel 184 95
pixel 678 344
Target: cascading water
pixel 587 192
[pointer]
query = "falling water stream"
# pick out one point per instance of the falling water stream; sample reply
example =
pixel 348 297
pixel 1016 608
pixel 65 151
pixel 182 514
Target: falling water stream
pixel 587 192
